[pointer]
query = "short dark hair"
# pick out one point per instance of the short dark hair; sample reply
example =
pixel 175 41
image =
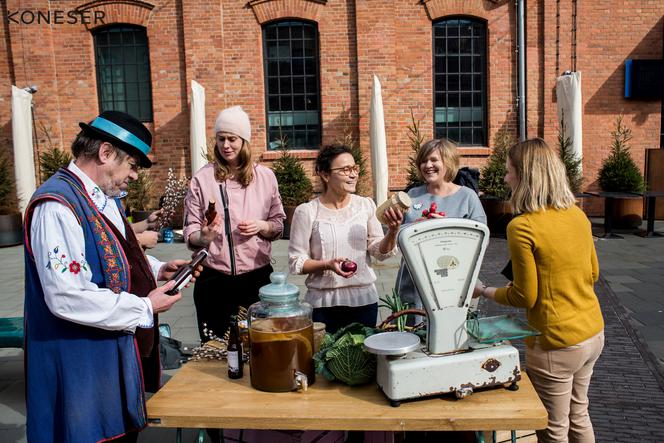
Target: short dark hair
pixel 327 155
pixel 86 146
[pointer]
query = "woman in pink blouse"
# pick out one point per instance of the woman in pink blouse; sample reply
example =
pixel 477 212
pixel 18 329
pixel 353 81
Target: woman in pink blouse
pixel 340 226
pixel 239 239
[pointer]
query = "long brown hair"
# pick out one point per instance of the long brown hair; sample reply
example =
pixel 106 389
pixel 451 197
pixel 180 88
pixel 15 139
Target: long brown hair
pixel 244 173
pixel 542 181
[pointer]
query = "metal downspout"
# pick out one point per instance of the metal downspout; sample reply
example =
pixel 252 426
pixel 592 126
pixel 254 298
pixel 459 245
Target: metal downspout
pixel 521 61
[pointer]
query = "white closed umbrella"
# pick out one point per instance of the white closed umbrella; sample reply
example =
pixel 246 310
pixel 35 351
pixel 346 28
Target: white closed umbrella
pixel 24 158
pixel 197 138
pixel 378 144
pixel 568 95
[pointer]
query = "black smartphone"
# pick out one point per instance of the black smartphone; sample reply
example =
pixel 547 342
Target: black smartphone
pixel 184 275
pixel 507 271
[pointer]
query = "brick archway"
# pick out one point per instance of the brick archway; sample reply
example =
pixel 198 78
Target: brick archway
pixel 477 8
pixel 119 11
pixel 268 10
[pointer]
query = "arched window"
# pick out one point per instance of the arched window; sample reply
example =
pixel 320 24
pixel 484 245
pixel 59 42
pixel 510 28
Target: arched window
pixel 123 70
pixel 459 60
pixel 292 84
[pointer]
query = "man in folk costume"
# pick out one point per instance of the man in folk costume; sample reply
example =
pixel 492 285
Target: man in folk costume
pixel 91 297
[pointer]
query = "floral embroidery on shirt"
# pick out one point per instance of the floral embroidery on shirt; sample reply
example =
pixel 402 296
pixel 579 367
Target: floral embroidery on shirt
pixel 59 262
pixel 97 195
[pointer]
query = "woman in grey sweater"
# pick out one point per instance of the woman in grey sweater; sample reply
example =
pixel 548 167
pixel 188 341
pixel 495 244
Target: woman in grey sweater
pixel 438 164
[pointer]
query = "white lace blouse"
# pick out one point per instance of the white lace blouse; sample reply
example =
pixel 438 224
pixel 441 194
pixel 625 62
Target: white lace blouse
pixel 321 233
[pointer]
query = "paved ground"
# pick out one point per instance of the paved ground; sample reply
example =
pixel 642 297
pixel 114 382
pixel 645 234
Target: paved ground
pixel 627 392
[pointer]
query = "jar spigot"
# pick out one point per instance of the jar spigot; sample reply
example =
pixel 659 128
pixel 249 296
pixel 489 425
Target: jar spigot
pixel 301 381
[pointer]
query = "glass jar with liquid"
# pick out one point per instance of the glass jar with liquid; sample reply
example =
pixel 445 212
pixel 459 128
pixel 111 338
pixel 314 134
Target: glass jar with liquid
pixel 281 338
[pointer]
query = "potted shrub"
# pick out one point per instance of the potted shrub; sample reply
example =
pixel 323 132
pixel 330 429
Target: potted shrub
pixel 52 160
pixel 571 161
pixel 415 139
pixel 11 222
pixel 294 185
pixel 619 173
pixel 349 139
pixel 495 191
pixel 139 193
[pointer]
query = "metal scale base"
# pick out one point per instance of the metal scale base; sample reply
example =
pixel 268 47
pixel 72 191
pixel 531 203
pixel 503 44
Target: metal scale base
pixel 418 374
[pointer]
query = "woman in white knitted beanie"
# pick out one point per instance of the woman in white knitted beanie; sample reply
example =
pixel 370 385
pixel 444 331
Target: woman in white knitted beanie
pixel 249 216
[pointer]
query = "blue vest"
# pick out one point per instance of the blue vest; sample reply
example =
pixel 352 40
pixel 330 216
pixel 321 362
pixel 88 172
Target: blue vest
pixel 83 384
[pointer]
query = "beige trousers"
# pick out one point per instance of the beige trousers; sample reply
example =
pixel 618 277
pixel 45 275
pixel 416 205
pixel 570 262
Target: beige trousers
pixel 561 378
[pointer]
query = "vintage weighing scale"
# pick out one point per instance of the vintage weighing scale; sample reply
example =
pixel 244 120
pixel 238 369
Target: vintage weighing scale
pixel 444 257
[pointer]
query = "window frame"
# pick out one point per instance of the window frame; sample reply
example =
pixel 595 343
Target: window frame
pixel 145 106
pixel 289 23
pixel 484 55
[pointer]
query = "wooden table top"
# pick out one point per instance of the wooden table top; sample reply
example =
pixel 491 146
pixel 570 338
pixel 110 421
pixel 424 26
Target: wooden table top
pixel 200 395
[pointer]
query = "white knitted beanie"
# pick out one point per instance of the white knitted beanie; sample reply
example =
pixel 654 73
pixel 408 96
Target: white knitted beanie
pixel 235 121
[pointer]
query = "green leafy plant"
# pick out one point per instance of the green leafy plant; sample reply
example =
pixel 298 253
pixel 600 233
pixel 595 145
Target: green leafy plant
pixel 571 161
pixel 619 172
pixel 139 191
pixel 8 199
pixel 52 160
pixel 492 176
pixel 395 304
pixel 294 184
pixel 416 139
pixel 348 139
pixel 342 356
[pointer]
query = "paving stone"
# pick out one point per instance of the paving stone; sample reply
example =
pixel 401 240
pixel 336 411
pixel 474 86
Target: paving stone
pixel 620 279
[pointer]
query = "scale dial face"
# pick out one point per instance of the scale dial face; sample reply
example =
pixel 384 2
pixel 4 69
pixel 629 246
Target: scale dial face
pixel 442 256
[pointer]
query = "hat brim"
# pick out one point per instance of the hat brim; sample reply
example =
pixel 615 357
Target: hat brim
pixel 144 161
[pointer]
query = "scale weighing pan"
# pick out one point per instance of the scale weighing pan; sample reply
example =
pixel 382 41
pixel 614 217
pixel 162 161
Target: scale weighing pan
pixel 392 343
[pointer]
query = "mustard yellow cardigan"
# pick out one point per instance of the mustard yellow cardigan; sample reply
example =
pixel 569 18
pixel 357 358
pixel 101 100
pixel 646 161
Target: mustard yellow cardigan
pixel 555 267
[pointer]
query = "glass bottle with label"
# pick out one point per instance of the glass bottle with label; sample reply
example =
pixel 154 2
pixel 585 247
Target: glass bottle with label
pixel 234 355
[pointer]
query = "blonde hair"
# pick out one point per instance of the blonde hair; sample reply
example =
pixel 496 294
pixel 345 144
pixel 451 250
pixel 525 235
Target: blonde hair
pixel 448 154
pixel 244 173
pixel 542 180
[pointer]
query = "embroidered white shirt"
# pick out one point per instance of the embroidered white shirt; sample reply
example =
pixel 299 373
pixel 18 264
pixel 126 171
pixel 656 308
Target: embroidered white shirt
pixel 58 247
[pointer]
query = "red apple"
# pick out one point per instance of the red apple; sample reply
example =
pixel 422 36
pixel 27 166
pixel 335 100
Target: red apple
pixel 348 266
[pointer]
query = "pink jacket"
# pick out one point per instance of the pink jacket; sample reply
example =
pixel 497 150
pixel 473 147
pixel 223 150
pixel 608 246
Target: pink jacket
pixel 258 201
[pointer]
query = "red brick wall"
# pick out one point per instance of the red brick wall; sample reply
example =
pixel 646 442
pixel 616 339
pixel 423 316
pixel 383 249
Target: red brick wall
pixel 218 44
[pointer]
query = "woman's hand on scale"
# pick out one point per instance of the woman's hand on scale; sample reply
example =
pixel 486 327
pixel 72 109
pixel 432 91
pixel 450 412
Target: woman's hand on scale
pixel 342 267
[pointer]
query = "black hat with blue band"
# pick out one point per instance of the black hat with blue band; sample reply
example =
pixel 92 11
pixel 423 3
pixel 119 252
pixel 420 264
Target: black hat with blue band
pixel 123 131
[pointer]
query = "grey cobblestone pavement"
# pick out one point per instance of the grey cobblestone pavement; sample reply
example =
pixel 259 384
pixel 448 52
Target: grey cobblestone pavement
pixel 627 390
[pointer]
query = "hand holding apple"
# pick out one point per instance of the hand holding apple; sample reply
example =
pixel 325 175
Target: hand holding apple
pixel 348 266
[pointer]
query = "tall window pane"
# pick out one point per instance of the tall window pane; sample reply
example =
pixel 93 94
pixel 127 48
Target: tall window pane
pixel 123 70
pixel 292 84
pixel 459 81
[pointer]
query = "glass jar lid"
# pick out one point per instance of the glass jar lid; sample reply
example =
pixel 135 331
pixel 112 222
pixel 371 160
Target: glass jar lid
pixel 279 291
